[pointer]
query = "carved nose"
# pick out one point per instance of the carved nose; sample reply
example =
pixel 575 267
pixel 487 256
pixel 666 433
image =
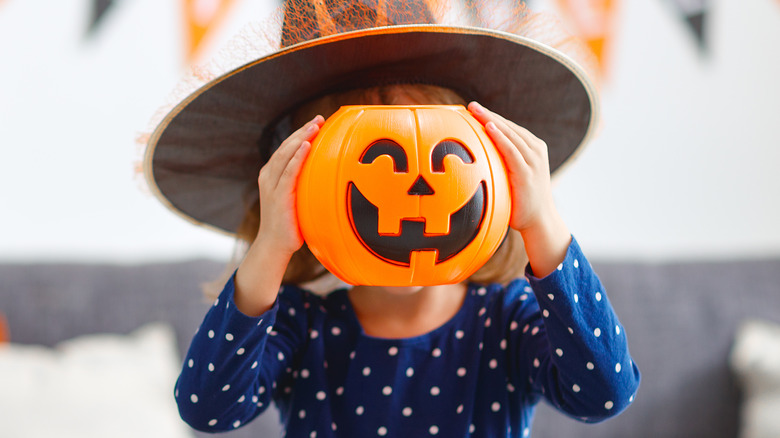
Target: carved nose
pixel 420 187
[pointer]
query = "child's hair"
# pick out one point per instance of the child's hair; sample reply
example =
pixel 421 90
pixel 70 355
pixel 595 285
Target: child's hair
pixel 507 263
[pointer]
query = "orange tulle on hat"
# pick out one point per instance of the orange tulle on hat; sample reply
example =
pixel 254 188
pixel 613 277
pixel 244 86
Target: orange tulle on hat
pixel 205 152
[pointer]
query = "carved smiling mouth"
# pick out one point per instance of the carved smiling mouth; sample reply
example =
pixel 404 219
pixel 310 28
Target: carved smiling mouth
pixel 464 227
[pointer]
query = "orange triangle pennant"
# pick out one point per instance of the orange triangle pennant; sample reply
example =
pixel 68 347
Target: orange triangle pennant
pixel 202 16
pixel 5 335
pixel 592 21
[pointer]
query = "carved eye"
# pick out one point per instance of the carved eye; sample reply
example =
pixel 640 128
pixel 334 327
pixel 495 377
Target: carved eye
pixel 387 147
pixel 445 148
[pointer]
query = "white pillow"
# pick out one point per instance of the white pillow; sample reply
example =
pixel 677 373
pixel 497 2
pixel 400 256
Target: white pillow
pixel 93 386
pixel 755 359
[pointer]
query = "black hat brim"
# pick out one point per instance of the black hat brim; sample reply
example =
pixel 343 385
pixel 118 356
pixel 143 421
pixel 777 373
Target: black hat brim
pixel 204 157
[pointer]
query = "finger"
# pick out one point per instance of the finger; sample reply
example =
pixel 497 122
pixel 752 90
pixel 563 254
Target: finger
pixel 534 144
pixel 523 132
pixel 487 115
pixel 530 146
pixel 512 144
pixel 289 177
pixel 304 132
pixel 520 143
pixel 529 137
pixel 475 108
pixel 508 127
pixel 279 159
pixel 481 113
pixel 512 156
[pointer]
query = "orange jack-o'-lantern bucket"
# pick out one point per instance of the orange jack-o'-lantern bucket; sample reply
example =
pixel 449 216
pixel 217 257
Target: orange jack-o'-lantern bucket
pixel 403 195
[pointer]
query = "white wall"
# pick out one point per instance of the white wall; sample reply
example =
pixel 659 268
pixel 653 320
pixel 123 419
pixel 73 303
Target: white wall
pixel 685 165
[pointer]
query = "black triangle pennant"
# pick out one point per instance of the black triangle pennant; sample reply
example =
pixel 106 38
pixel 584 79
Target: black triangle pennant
pixel 696 23
pixel 99 9
pixel 695 12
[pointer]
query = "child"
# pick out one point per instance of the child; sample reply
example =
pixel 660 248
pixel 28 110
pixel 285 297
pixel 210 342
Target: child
pixel 469 359
pixel 445 360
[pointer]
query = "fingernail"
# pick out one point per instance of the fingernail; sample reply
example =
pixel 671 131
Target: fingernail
pixel 491 126
pixel 311 128
pixel 477 108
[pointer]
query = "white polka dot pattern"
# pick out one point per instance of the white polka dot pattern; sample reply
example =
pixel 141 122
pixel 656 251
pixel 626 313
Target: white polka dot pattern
pixel 454 381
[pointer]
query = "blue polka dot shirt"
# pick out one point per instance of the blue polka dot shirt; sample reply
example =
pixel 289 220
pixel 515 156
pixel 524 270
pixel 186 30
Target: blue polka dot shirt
pixel 480 374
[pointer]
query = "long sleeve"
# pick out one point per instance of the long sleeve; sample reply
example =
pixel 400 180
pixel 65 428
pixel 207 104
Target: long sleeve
pixel 572 349
pixel 558 338
pixel 233 365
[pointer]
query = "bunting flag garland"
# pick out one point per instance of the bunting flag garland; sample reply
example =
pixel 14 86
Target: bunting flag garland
pixel 592 21
pixel 695 12
pixel 99 9
pixel 201 16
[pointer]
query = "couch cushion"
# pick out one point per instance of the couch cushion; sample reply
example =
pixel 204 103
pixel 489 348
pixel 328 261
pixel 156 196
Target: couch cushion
pixel 680 319
pixel 755 360
pixel 92 386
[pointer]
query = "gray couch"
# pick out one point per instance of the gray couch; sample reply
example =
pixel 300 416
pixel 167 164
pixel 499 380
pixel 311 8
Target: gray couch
pixel 680 319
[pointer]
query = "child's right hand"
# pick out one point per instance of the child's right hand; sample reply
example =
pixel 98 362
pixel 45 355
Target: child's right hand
pixel 277 183
pixel 260 274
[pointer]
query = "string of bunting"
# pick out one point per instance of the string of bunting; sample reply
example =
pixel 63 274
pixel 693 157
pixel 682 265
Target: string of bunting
pixel 592 20
pixel 200 17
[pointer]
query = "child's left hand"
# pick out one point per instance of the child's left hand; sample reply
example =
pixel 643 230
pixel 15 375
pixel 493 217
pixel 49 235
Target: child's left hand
pixel 527 165
pixel 534 214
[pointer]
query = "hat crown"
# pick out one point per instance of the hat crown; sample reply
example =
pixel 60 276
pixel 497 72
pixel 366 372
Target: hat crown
pixel 204 154
pixel 305 20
